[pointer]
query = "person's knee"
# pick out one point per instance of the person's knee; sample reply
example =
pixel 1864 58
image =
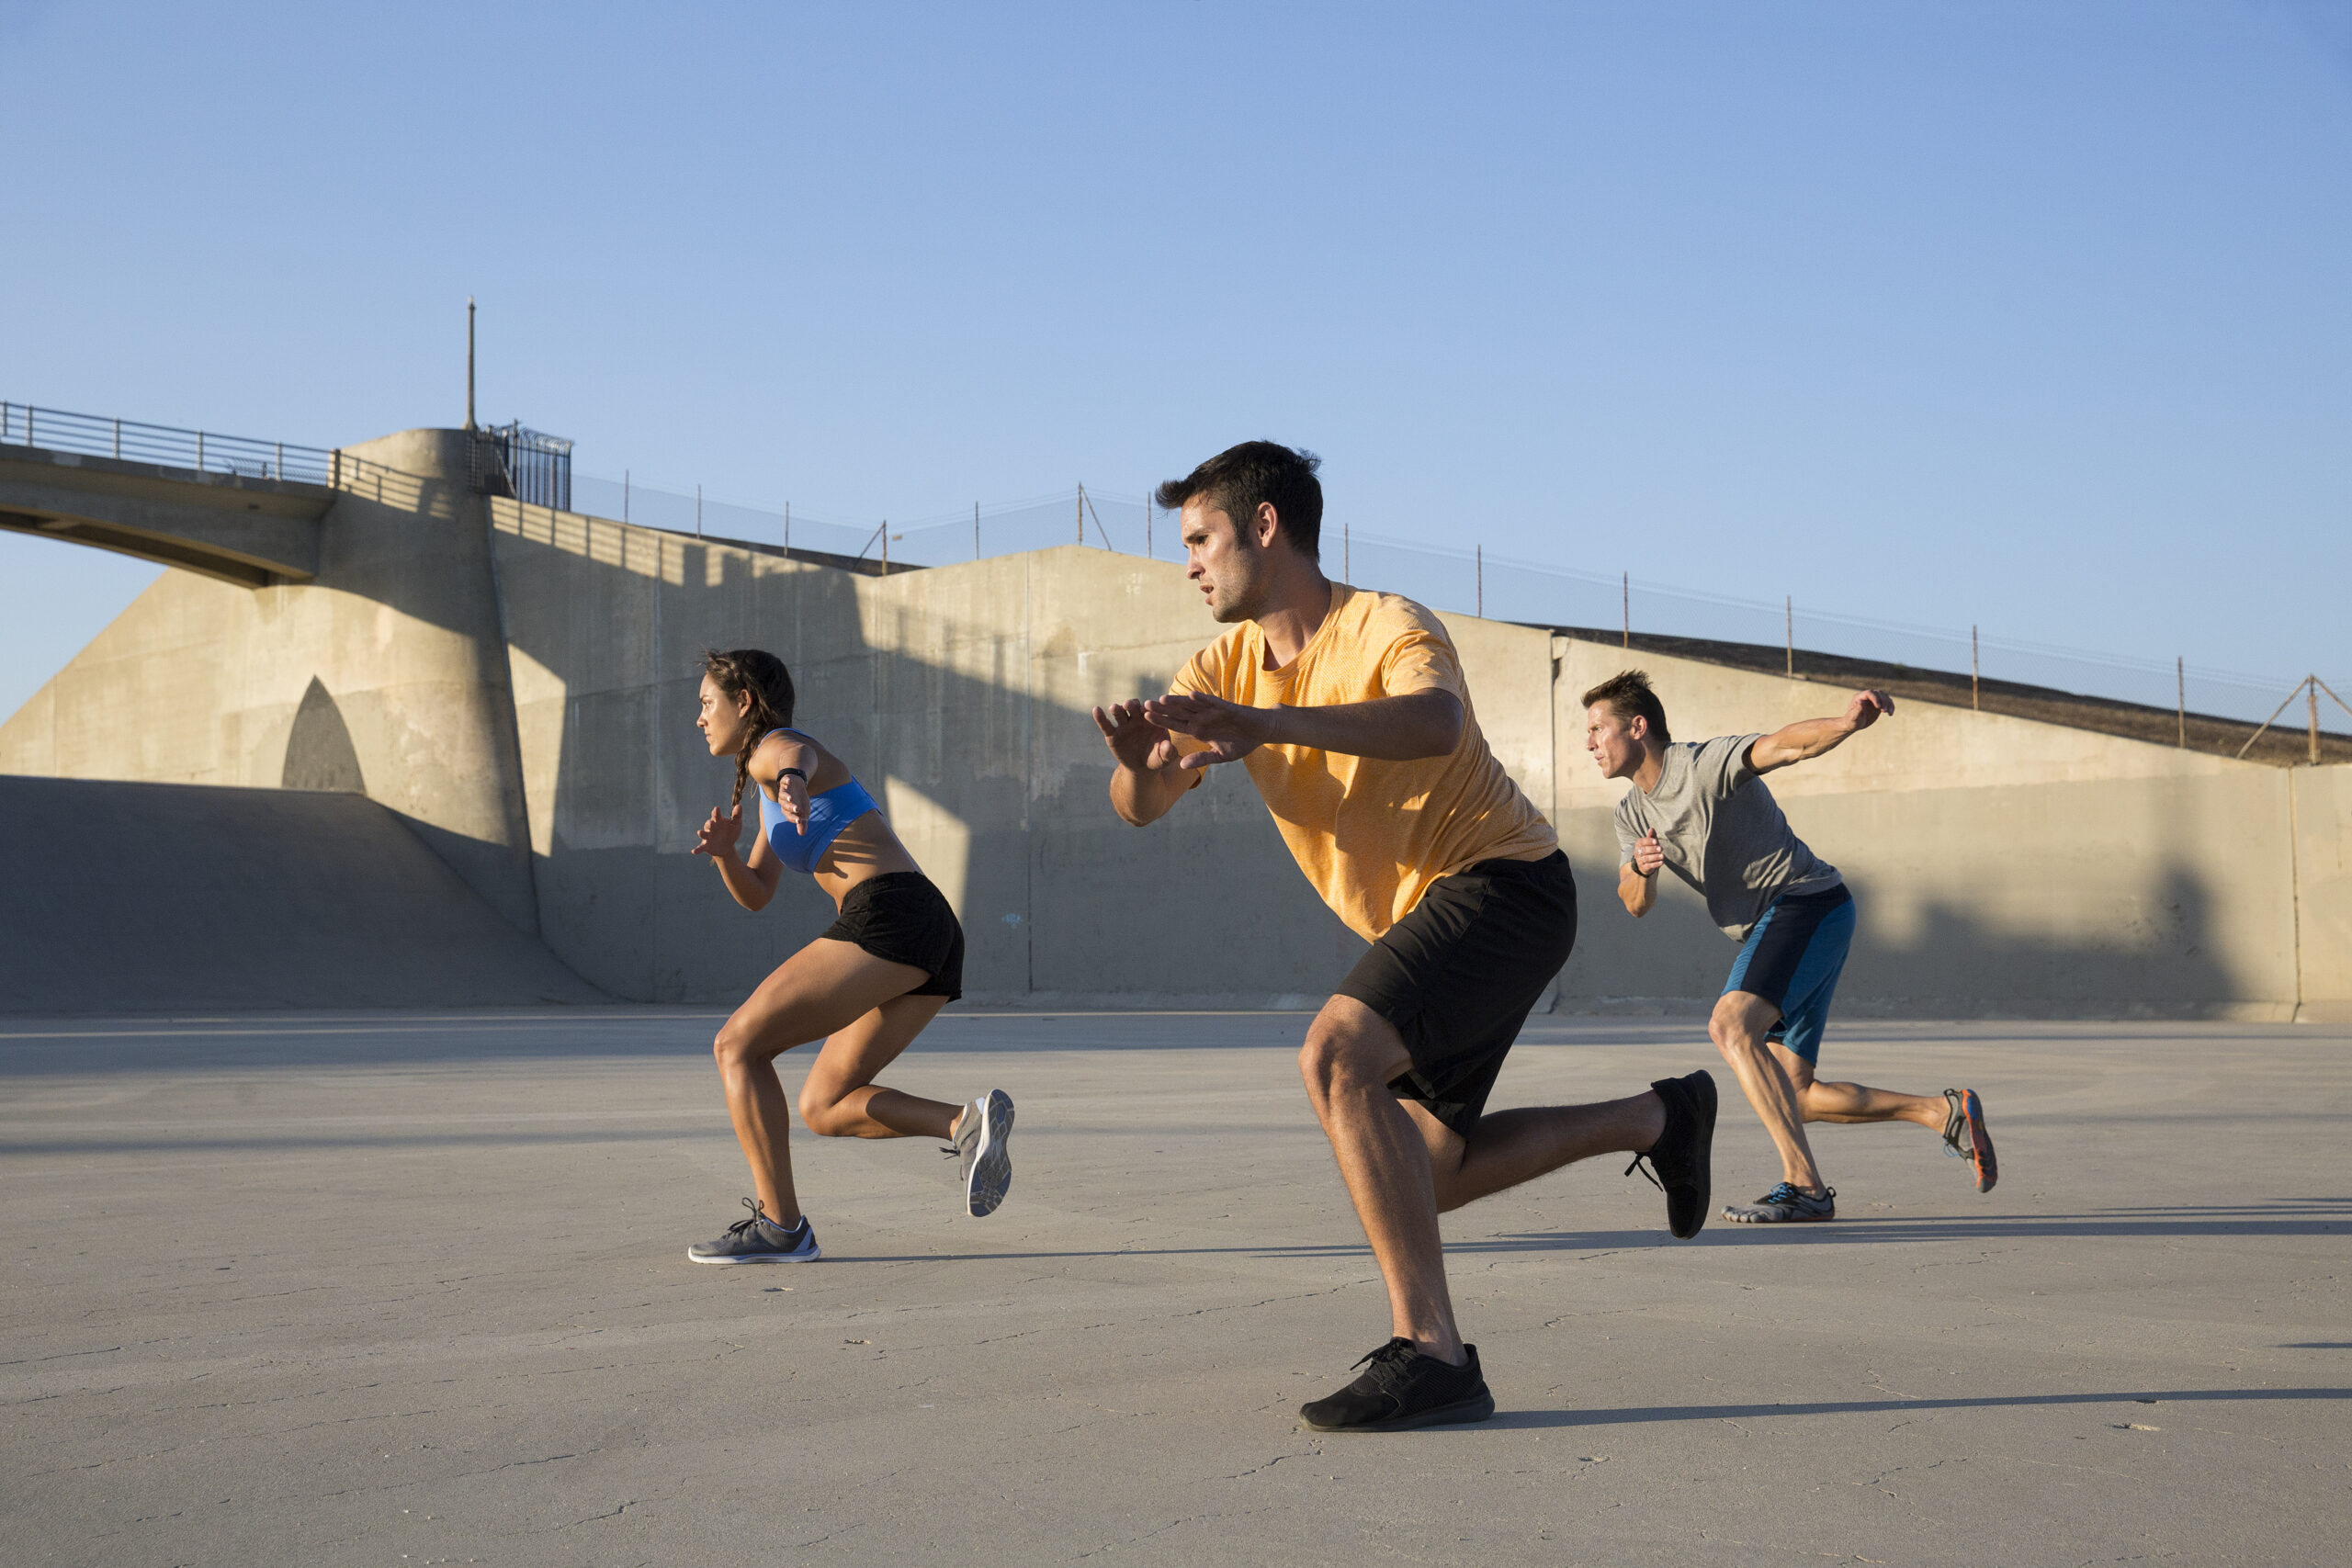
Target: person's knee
pixel 727 1047
pixel 1332 1061
pixel 822 1113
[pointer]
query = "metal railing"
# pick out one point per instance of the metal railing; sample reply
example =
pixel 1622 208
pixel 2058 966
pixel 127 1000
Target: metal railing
pixel 208 452
pixel 538 465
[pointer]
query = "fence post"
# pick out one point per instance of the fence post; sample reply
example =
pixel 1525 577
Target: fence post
pixel 281 450
pixel 1973 701
pixel 1082 515
pixel 118 449
pixel 2180 685
pixel 2310 690
pixel 885 547
pixel 200 451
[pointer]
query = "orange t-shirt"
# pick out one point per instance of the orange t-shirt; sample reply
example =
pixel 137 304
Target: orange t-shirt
pixel 1373 835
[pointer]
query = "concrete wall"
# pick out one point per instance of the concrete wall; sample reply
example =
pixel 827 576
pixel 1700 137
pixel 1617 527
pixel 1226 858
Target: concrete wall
pixel 388 673
pixel 2004 865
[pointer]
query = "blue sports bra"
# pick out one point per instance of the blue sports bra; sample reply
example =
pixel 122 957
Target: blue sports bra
pixel 828 814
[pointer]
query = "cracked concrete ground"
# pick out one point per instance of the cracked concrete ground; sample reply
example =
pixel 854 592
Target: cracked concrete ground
pixel 412 1289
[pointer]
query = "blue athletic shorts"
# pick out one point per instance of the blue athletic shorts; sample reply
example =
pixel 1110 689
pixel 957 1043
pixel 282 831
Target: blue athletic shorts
pixel 1792 959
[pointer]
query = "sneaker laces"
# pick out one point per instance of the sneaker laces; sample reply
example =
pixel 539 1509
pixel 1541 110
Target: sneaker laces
pixel 1786 1192
pixel 1649 1172
pixel 759 1212
pixel 1389 1361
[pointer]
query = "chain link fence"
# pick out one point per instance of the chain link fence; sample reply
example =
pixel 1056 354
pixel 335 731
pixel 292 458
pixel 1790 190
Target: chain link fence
pixel 1645 612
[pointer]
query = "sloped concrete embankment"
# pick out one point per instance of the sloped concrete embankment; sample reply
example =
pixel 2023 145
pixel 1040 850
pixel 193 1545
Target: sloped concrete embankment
pixel 151 897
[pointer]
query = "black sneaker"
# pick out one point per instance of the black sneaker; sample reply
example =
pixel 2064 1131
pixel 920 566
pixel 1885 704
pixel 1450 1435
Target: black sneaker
pixel 760 1240
pixel 1683 1155
pixel 1403 1389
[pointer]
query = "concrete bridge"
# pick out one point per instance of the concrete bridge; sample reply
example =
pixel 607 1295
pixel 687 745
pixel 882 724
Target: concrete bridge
pixel 510 688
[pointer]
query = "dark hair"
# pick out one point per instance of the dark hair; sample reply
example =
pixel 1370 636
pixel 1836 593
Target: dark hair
pixel 1628 695
pixel 763 676
pixel 1238 479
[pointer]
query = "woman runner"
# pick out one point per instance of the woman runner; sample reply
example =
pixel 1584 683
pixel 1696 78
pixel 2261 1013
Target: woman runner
pixel 866 987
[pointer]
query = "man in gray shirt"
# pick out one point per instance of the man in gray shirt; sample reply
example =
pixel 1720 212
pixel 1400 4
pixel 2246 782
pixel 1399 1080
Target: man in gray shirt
pixel 1701 811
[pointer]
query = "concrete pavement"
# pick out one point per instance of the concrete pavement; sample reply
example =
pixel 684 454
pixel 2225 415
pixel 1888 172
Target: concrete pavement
pixel 411 1288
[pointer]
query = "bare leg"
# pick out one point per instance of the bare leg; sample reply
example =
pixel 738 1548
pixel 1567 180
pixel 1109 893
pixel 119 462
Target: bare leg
pixel 1508 1147
pixel 1738 1028
pixel 1350 1053
pixel 840 1099
pixel 1402 1166
pixel 824 988
pixel 1856 1103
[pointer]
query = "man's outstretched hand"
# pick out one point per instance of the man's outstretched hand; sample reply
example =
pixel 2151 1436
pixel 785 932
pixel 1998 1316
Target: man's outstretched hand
pixel 1227 731
pixel 1866 707
pixel 1134 740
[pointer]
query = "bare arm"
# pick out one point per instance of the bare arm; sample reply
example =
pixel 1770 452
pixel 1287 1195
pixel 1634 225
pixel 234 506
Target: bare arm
pixel 1150 779
pixel 1393 729
pixel 1809 737
pixel 785 764
pixel 1638 878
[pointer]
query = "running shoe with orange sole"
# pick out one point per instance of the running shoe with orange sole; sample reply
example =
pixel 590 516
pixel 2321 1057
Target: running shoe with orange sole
pixel 1966 1137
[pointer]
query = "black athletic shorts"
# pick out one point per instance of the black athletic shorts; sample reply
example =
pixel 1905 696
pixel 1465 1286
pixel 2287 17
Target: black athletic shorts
pixel 901 917
pixel 1458 975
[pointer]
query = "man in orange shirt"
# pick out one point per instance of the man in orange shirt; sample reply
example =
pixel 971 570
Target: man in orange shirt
pixel 1349 712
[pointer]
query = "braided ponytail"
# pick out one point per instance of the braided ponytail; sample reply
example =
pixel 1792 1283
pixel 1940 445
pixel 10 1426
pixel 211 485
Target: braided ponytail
pixel 762 676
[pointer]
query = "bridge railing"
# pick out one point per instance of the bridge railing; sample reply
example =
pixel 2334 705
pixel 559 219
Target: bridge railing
pixel 23 424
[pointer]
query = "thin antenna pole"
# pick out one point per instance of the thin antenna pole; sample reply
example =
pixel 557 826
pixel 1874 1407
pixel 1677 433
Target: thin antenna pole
pixel 1625 586
pixel 2180 685
pixel 1479 559
pixel 1975 700
pixel 469 361
pixel 1082 515
pixel 1788 607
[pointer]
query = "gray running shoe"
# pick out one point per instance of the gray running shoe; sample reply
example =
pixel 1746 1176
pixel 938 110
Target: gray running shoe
pixel 1782 1204
pixel 981 1145
pixel 760 1240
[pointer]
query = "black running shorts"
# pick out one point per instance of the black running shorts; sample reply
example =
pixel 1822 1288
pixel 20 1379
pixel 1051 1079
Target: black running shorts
pixel 901 917
pixel 1458 975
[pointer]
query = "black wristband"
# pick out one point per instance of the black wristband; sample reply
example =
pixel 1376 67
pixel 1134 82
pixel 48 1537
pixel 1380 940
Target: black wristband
pixel 794 773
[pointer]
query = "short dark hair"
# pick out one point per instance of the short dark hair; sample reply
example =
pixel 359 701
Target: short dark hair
pixel 1628 695
pixel 1238 479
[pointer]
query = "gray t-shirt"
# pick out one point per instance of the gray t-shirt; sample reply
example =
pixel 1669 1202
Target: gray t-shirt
pixel 1723 832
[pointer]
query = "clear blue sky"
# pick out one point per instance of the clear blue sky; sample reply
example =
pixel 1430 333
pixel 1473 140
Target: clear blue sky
pixel 2035 315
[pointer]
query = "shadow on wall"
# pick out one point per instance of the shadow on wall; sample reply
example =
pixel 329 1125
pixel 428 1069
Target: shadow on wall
pixel 2157 958
pixel 319 753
